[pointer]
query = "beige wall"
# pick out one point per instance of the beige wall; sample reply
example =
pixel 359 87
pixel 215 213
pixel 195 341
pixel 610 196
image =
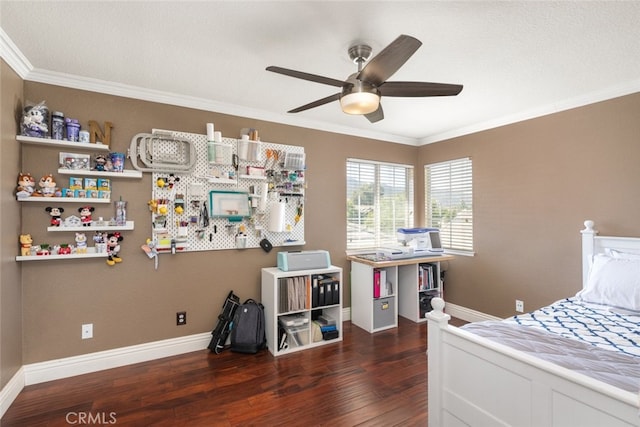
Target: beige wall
pixel 10 278
pixel 131 303
pixel 535 182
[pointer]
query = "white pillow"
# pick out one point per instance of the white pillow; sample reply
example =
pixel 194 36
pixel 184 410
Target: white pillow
pixel 619 254
pixel 614 282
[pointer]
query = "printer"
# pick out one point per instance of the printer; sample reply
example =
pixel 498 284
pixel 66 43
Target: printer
pixel 421 240
pixel 303 260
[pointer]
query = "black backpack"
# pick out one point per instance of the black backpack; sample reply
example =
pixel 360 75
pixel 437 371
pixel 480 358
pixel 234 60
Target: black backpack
pixel 247 331
pixel 225 321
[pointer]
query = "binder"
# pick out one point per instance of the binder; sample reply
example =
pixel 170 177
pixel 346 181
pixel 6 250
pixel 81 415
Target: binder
pixel 314 292
pixel 320 295
pixel 383 284
pixel 376 283
pixel 336 292
pixel 328 293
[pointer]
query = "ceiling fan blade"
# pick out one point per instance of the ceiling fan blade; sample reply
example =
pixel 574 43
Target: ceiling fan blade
pixel 376 116
pixel 389 60
pixel 306 76
pixel 317 103
pixel 417 89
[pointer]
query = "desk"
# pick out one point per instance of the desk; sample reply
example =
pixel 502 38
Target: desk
pixel 412 283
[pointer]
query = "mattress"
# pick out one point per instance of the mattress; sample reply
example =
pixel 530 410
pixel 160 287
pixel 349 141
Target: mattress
pixel 594 340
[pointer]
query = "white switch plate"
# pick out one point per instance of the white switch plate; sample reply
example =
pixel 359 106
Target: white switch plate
pixel 87 331
pixel 519 306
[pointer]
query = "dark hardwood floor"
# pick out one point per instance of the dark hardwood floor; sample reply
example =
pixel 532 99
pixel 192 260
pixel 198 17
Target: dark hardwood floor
pixel 367 380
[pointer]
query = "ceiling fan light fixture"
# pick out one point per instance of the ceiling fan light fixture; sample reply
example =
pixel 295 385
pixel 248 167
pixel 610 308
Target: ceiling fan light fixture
pixel 360 99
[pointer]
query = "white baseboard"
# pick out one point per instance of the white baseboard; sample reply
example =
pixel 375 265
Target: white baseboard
pixel 35 373
pixel 467 314
pixel 10 391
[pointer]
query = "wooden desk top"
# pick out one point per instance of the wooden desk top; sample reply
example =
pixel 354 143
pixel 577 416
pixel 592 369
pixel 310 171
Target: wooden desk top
pixel 401 261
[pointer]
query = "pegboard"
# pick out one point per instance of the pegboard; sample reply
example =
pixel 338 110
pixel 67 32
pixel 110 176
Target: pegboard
pixel 271 175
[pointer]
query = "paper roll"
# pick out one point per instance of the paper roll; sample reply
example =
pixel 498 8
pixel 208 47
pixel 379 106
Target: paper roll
pixel 264 191
pixel 210 135
pixel 276 216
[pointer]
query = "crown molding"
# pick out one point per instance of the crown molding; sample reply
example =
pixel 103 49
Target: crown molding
pixel 568 104
pixel 13 56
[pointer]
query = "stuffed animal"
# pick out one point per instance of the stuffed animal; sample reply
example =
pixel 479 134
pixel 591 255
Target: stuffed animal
pixel 81 243
pixel 100 162
pixel 113 247
pixel 26 185
pixel 48 187
pixel 34 121
pixel 25 244
pixel 55 214
pixel 85 215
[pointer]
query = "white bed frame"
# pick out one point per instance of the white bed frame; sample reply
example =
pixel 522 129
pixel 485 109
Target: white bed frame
pixel 476 382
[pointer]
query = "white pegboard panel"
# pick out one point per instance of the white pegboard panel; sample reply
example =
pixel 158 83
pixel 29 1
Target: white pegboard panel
pixel 285 184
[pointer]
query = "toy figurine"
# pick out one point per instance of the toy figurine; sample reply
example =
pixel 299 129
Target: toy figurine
pixel 172 180
pixel 81 243
pixel 48 187
pixel 113 247
pixel 55 214
pixel 34 121
pixel 64 249
pixel 101 162
pixel 26 185
pixel 25 244
pixel 85 215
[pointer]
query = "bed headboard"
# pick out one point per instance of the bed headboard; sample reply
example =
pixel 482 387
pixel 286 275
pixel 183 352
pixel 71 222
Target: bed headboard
pixel 593 244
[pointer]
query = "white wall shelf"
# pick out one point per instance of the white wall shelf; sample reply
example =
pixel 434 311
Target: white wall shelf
pixel 61 144
pixel 127 173
pixel 65 200
pixel 91 253
pixel 128 226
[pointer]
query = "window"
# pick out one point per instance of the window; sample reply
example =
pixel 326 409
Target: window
pixel 379 201
pixel 448 202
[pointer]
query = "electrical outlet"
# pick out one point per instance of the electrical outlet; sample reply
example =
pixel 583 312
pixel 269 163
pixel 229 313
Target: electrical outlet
pixel 87 331
pixel 181 318
pixel 519 306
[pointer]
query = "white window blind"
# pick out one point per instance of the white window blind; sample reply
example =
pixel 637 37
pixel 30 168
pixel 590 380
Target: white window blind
pixel 448 202
pixel 379 201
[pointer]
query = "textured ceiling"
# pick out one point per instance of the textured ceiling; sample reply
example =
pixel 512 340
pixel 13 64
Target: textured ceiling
pixel 515 59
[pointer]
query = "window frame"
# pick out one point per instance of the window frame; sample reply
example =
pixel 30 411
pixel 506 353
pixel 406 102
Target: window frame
pixel 379 230
pixel 458 240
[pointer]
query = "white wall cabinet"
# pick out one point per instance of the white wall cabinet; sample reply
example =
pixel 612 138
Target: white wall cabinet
pixel 293 302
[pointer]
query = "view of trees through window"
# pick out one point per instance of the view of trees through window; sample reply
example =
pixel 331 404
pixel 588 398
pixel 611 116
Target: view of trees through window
pixel 379 201
pixel 448 202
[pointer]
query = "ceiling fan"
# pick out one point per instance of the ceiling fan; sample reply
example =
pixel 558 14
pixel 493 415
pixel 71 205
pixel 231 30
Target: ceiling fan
pixel 362 90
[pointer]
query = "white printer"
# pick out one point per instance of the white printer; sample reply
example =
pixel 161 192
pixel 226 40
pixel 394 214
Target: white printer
pixel 303 260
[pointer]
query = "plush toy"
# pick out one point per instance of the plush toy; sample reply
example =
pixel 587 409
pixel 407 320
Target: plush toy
pixel 25 244
pixel 172 180
pixel 81 243
pixel 48 187
pixel 113 247
pixel 101 162
pixel 85 215
pixel 26 185
pixel 34 121
pixel 55 214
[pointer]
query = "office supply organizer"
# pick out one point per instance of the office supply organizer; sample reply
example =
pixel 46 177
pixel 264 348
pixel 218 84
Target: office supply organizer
pixel 257 189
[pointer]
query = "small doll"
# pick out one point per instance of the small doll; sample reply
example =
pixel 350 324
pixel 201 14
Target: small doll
pixel 81 243
pixel 113 247
pixel 55 214
pixel 25 244
pixel 34 121
pixel 47 186
pixel 26 185
pixel 85 215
